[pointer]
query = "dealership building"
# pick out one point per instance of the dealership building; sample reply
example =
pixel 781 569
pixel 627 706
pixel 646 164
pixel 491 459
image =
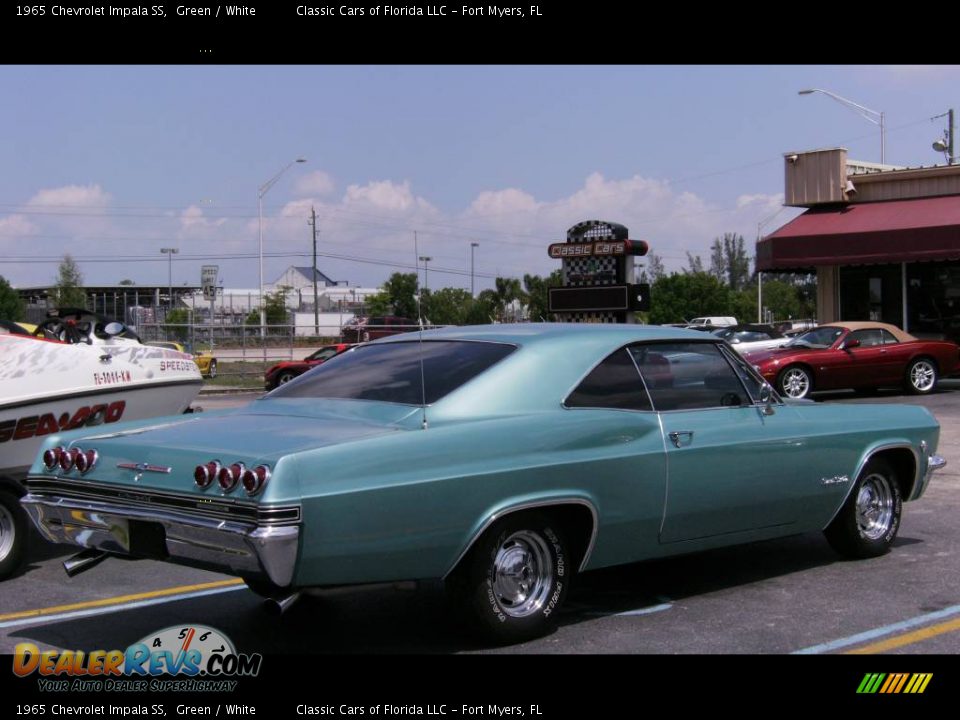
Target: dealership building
pixel 884 242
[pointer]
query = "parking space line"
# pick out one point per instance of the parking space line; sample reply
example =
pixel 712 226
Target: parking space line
pixel 879 632
pixel 908 639
pixel 118 600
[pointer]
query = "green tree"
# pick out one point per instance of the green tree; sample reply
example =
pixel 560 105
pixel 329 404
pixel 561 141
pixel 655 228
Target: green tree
pixel 694 264
pixel 447 306
pixel 11 306
pixel 680 297
pixel 507 290
pixel 655 268
pixel 401 291
pixel 275 307
pixel 68 290
pixel 783 300
pixel 483 310
pixel 176 324
pixel 126 281
pixel 537 293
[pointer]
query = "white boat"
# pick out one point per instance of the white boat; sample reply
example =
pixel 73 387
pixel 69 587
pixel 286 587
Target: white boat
pixel 50 386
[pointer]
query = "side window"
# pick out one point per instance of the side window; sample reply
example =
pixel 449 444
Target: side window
pixel 614 383
pixel 688 376
pixel 867 338
pixel 888 338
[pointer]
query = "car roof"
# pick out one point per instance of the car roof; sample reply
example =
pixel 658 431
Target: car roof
pixel 899 334
pixel 530 333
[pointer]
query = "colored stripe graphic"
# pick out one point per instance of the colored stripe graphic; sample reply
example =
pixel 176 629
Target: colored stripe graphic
pixel 894 683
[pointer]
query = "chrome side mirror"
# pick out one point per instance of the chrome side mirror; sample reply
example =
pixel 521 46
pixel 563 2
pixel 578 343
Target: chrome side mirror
pixel 766 399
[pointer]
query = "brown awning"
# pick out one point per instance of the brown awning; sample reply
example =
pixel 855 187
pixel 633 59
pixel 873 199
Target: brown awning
pixel 882 232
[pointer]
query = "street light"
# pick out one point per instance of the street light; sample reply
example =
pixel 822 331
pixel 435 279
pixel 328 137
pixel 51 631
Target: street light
pixel 261 191
pixel 945 144
pixel 874 116
pixel 426 277
pixel 473 246
pixel 170 252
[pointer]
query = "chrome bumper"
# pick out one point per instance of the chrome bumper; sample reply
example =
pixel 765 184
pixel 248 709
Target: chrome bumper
pixel 237 548
pixel 934 463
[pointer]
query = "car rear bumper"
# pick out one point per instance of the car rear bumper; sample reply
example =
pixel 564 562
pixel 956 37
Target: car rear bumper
pixel 246 549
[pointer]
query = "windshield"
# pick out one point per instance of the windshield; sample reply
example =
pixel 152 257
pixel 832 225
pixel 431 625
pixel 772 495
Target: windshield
pixel 821 337
pixel 390 372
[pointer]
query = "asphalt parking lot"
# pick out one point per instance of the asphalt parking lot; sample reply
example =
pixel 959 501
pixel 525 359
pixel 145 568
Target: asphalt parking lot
pixel 784 596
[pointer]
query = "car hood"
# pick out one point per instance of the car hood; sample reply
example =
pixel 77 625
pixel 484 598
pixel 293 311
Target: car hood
pixel 761 356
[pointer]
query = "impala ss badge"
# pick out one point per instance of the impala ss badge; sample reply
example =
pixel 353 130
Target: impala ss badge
pixel 141 468
pixel 835 480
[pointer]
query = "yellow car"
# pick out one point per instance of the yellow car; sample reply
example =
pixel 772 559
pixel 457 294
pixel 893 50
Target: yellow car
pixel 204 359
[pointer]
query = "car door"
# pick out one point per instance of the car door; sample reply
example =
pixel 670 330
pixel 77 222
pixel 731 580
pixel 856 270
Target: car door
pixel 865 364
pixel 730 466
pixel 627 463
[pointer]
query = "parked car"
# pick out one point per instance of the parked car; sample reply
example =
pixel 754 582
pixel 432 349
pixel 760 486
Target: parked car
pixel 714 320
pixel 745 338
pixel 204 359
pixel 503 459
pixel 362 329
pixel 284 372
pixel 856 355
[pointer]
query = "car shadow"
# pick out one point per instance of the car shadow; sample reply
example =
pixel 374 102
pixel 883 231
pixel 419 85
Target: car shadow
pixel 379 620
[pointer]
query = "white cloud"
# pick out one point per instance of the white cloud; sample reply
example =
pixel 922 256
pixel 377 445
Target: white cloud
pixel 69 196
pixel 315 183
pixel 16 226
pixel 385 195
pixel 193 218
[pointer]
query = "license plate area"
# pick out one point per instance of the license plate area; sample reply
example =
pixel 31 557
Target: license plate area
pixel 148 539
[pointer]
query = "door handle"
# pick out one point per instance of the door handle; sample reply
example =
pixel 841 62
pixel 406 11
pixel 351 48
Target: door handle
pixel 677 437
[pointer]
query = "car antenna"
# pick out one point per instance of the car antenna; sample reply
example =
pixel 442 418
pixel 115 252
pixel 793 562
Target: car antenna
pixel 423 382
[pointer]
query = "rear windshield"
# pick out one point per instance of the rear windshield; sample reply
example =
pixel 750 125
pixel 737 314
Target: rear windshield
pixel 390 372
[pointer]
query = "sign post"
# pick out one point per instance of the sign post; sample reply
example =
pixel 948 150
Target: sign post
pixel 208 280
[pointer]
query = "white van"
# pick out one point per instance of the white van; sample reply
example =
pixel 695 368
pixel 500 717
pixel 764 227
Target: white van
pixel 715 320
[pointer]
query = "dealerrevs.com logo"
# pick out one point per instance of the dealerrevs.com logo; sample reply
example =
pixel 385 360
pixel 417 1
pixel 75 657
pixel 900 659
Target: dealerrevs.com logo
pixel 201 659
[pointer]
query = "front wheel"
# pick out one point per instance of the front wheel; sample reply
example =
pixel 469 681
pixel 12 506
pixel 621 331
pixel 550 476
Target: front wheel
pixel 517 578
pixel 867 524
pixel 795 382
pixel 13 534
pixel 921 376
pixel 285 377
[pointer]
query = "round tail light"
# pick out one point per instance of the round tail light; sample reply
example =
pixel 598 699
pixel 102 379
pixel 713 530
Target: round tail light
pixel 254 480
pixel 86 460
pixel 203 475
pixel 51 457
pixel 68 458
pixel 230 476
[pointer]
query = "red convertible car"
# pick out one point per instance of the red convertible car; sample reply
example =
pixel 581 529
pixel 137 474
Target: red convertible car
pixel 856 355
pixel 284 372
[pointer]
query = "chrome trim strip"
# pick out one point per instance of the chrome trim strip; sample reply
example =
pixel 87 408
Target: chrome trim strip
pixel 146 467
pixel 917 479
pixel 529 506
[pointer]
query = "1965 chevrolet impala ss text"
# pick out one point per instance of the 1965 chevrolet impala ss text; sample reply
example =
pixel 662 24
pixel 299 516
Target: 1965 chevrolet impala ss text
pixel 501 458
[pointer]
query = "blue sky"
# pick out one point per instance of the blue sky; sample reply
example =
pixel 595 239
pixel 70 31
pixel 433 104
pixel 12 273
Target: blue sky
pixel 112 163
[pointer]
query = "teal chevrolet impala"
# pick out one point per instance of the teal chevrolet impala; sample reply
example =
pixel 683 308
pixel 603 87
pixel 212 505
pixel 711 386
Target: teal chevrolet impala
pixel 503 459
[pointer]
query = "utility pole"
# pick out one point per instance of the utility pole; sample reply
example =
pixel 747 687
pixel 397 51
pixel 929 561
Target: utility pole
pixel 473 246
pixel 169 252
pixel 316 306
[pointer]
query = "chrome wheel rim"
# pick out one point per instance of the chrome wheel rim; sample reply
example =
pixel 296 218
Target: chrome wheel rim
pixel 922 375
pixel 213 370
pixel 284 379
pixel 796 383
pixel 874 507
pixel 7 532
pixel 522 574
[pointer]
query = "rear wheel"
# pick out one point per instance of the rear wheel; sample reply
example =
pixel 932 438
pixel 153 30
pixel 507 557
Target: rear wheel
pixel 867 524
pixel 13 534
pixel 921 376
pixel 795 382
pixel 516 578
pixel 212 372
